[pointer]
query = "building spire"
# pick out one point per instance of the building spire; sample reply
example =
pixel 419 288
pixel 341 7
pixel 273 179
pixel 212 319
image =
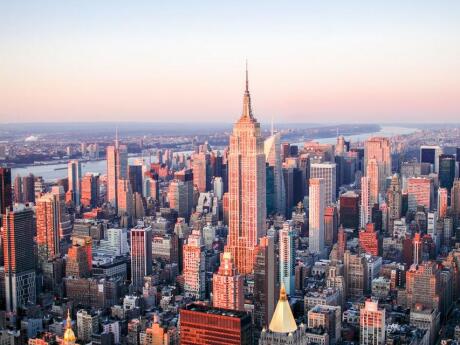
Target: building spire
pixel 116 136
pixel 247 109
pixel 272 127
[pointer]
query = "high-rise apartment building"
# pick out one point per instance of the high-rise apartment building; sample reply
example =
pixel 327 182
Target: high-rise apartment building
pixel 141 255
pixel 355 274
pixel 89 190
pixel 247 199
pixel 422 285
pixel 316 215
pixel 74 176
pixel 117 169
pixel 194 266
pixel 419 192
pixel 327 172
pixel 287 257
pixel 227 285
pixel 87 324
pixel 6 197
pixel 372 324
pixel 201 171
pixel 272 148
pixel 18 246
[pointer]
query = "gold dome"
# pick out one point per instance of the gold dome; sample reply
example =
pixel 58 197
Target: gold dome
pixel 69 335
pixel 283 320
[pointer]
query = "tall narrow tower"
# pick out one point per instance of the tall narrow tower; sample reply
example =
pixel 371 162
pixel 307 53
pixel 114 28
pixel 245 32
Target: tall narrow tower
pixel 247 203
pixel 117 169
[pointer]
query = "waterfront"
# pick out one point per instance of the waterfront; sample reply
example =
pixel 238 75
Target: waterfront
pixel 52 172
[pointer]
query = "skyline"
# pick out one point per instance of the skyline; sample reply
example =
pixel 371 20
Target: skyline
pixel 308 63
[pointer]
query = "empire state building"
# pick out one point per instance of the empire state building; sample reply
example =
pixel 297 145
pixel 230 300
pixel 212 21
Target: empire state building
pixel 246 180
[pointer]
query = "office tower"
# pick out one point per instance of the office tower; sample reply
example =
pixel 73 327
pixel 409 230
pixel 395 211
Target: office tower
pixel 355 271
pixel 371 324
pixel 180 193
pixel 125 198
pixel 151 188
pixel 117 169
pixel 194 266
pixel 287 257
pixel 340 147
pixel 247 209
pixel 394 202
pixel 327 317
pixel 369 240
pixel 283 329
pixel 327 172
pixel 18 196
pixel 53 224
pixel 6 197
pixel 446 171
pixel 266 282
pixel 442 202
pixel 74 176
pixel 90 190
pixel 316 215
pixel 365 215
pixel 201 171
pixel 422 284
pixel 77 262
pixel 135 178
pixel 272 149
pixel 218 187
pixel 419 191
pixel 379 148
pixel 19 265
pixel 331 220
pixel 203 325
pixel 227 286
pixel 28 189
pixel 373 172
pixel 87 324
pixel 141 255
pixel 349 210
pixel 430 155
pixel 455 198
pixel 285 151
pixel 294 190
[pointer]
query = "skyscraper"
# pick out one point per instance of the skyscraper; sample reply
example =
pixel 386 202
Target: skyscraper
pixel 19 266
pixel 117 169
pixel 326 171
pixel 141 255
pixel 272 148
pixel 6 197
pixel 316 215
pixel 373 172
pixel 446 171
pixel 74 176
pixel 287 257
pixel 422 285
pixel 379 148
pixel 365 204
pixel 194 266
pixel 430 154
pixel 135 178
pixel 266 282
pixel 394 202
pixel 442 202
pixel 372 324
pixel 247 209
pixel 53 224
pixel 90 190
pixel 419 192
pixel 227 286
pixel 349 210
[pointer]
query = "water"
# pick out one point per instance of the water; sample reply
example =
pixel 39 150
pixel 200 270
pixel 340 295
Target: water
pixel 49 172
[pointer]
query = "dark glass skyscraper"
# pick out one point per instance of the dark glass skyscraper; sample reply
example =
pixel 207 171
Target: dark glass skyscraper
pixel 446 171
pixel 6 198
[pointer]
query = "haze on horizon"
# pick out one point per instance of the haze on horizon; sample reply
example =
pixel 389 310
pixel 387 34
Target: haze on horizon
pixel 309 62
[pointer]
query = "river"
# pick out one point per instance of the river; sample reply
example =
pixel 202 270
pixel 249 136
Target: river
pixel 52 172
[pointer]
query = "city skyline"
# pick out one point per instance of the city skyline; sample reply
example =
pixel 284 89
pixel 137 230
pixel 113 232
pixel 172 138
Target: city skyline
pixel 153 63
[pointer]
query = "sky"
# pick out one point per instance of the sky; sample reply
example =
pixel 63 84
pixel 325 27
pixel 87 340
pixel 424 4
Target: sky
pixel 183 61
